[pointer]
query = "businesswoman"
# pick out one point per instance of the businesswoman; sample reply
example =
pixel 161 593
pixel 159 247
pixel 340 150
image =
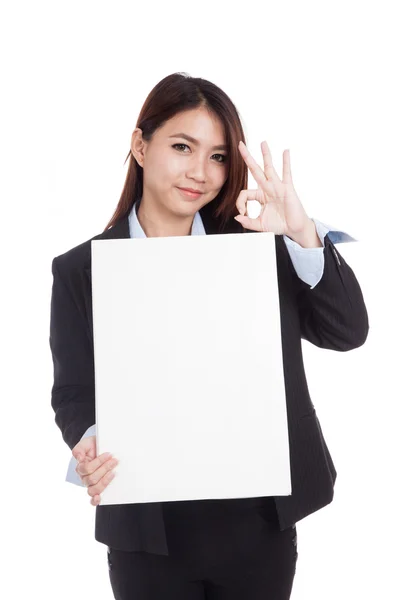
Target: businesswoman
pixel 187 175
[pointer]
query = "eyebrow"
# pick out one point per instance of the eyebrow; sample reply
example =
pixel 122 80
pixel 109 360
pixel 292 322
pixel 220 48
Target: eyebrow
pixel 194 141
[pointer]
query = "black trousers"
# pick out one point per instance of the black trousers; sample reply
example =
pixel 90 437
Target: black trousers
pixel 218 550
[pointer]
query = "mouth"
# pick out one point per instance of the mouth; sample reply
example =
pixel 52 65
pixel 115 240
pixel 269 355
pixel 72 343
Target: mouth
pixel 190 193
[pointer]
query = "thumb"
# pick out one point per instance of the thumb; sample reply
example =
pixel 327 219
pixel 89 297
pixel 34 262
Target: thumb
pixel 78 455
pixel 248 223
pixel 84 447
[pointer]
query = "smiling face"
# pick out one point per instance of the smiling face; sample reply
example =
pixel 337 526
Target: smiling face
pixel 171 161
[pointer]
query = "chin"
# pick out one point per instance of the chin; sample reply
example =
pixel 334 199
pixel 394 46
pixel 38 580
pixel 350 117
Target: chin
pixel 186 211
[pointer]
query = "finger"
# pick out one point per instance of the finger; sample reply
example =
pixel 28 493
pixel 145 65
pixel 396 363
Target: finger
pixel 94 490
pixel 269 168
pixel 95 500
pixel 254 168
pixel 87 467
pixel 95 477
pixel 245 195
pixel 286 171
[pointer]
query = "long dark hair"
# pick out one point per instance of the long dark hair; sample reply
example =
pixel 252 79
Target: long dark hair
pixel 173 94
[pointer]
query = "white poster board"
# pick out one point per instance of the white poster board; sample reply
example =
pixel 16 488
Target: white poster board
pixel 190 393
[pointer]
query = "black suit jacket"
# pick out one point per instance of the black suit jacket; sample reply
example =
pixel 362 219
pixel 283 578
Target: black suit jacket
pixel 332 315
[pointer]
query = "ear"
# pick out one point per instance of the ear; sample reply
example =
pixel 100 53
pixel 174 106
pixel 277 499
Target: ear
pixel 137 146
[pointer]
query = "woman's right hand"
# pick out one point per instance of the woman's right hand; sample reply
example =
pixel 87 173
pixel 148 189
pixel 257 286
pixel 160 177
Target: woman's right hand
pixel 94 471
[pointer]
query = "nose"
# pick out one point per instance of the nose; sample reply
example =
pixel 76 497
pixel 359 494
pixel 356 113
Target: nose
pixel 197 170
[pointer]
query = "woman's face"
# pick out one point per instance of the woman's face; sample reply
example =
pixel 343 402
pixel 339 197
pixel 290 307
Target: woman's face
pixel 171 161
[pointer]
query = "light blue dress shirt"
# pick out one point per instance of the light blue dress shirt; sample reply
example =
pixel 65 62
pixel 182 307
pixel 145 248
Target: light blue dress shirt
pixel 308 264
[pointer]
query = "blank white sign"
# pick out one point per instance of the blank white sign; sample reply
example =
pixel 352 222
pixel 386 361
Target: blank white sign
pixel 190 393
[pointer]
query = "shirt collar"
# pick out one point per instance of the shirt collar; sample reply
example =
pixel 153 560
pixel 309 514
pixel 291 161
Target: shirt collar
pixel 136 230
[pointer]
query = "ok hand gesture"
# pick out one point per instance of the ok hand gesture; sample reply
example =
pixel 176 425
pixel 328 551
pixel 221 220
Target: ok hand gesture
pixel 281 210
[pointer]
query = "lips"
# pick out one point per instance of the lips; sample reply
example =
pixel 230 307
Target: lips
pixel 190 194
pixel 191 190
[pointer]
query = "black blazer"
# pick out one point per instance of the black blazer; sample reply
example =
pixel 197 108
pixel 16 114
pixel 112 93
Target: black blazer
pixel 332 315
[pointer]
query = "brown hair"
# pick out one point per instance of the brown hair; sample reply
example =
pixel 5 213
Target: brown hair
pixel 173 94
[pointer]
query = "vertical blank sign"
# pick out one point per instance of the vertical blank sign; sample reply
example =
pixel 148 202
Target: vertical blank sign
pixel 190 393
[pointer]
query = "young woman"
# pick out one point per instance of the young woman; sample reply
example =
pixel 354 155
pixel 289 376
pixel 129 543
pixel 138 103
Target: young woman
pixel 188 176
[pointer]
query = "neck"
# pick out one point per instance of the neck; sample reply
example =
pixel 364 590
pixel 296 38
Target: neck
pixel 156 221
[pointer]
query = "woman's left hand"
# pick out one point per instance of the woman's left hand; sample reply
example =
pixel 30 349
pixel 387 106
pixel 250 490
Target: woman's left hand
pixel 281 210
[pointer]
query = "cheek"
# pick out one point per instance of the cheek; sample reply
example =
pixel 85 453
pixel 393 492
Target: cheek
pixel 221 178
pixel 169 171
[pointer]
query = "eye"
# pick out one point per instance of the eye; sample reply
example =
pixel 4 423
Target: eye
pixel 179 145
pixel 223 156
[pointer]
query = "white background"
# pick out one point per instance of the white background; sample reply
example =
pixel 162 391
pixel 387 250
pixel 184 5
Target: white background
pixel 315 77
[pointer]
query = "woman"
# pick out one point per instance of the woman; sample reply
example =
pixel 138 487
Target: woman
pixel 189 135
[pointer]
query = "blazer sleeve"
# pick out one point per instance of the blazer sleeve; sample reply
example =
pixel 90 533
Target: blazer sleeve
pixel 73 390
pixel 333 314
